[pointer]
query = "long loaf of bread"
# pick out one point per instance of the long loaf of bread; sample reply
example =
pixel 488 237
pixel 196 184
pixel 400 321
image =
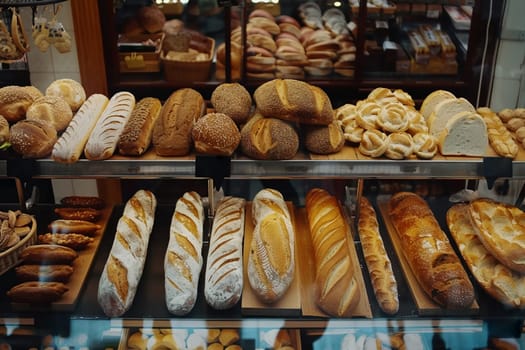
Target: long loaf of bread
pixel 70 144
pixel 497 280
pixel 271 260
pixel 183 259
pixel 429 253
pixel 377 261
pixel 125 263
pixel 336 287
pixel 224 271
pixel 103 139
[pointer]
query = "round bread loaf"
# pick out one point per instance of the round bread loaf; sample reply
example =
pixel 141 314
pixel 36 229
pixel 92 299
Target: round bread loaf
pixel 52 109
pixel 216 134
pixel 33 91
pixel 233 100
pixel 4 130
pixel 14 102
pixel 151 18
pixel 70 90
pixel 33 138
pixel 324 139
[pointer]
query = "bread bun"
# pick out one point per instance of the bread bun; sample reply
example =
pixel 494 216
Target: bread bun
pixel 33 138
pixel 4 130
pixel 14 102
pixel 52 109
pixel 324 139
pixel 151 18
pixel 70 90
pixel 233 100
pixel 216 134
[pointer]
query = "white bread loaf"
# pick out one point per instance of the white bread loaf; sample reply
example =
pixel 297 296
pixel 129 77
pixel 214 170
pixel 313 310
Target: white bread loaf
pixel 271 260
pixel 224 271
pixel 432 100
pixel 444 111
pixel 465 134
pixel 123 269
pixel 70 144
pixel 103 139
pixel 183 259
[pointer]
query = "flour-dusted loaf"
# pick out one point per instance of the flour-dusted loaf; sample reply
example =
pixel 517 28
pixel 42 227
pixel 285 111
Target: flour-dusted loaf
pixel 183 259
pixel 70 144
pixel 464 134
pixel 377 260
pixel 103 139
pixel 502 283
pixel 429 253
pixel 336 287
pixel 224 271
pixel 444 111
pixel 125 263
pixel 271 259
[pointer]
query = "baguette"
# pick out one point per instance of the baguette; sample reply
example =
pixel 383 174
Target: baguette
pixel 429 253
pixel 104 137
pixel 224 271
pixel 336 288
pixel 271 260
pixel 183 259
pixel 125 263
pixel 376 258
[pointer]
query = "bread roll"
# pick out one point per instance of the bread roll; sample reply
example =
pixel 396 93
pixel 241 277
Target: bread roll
pixel 43 273
pixel 295 101
pixel 271 260
pixel 125 263
pixel 233 100
pixel 32 138
pixel 269 138
pixel 50 254
pixel 35 292
pixel 136 136
pixel 324 139
pixel 429 253
pixel 215 134
pixel 183 259
pixel 71 143
pixel 376 258
pixel 223 282
pixel 14 102
pixel 172 131
pixel 52 109
pixel 68 89
pixel 105 135
pixel 4 130
pixel 336 288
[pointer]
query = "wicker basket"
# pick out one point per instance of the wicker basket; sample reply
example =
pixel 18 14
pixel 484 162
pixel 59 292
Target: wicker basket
pixel 188 72
pixel 11 257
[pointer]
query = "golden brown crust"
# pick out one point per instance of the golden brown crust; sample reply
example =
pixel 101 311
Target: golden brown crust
pixel 74 241
pixel 83 202
pixel 32 138
pixel 324 139
pixel 52 109
pixel 233 100
pixel 73 226
pixel 49 254
pixel 43 273
pixel 14 102
pixel 216 134
pixel 35 292
pixel 87 214
pixel 70 90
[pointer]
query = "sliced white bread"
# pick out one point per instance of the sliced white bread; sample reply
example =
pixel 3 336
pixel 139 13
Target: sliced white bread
pixel 430 102
pixel 465 134
pixel 444 111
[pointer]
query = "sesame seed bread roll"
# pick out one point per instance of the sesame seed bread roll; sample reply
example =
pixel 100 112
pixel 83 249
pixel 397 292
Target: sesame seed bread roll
pixel 71 142
pixel 68 89
pixel 216 134
pixel 14 102
pixel 52 109
pixel 32 138
pixel 233 100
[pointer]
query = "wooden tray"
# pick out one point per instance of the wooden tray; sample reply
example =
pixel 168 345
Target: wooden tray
pixel 424 303
pixel 290 303
pixel 81 266
pixel 306 254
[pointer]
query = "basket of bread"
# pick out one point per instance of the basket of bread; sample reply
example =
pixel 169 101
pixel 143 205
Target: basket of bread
pixel 17 231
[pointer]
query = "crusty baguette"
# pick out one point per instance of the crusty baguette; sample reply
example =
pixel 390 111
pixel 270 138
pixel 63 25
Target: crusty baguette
pixel 70 144
pixel 125 263
pixel 104 136
pixel 183 259
pixel 224 271
pixel 376 258
pixel 429 253
pixel 271 260
pixel 336 288
pixel 497 280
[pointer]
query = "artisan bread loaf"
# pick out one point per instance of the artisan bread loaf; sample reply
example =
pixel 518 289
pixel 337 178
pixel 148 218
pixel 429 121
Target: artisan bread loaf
pixel 376 258
pixel 295 101
pixel 502 283
pixel 70 90
pixel 271 260
pixel 172 131
pixel 215 134
pixel 444 111
pixel 51 109
pixel 464 134
pixel 432 100
pixel 103 139
pixel 123 268
pixel 136 136
pixel 71 143
pixel 233 100
pixel 32 138
pixel 183 259
pixel 223 281
pixel 336 288
pixel 324 139
pixel 14 102
pixel 429 253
